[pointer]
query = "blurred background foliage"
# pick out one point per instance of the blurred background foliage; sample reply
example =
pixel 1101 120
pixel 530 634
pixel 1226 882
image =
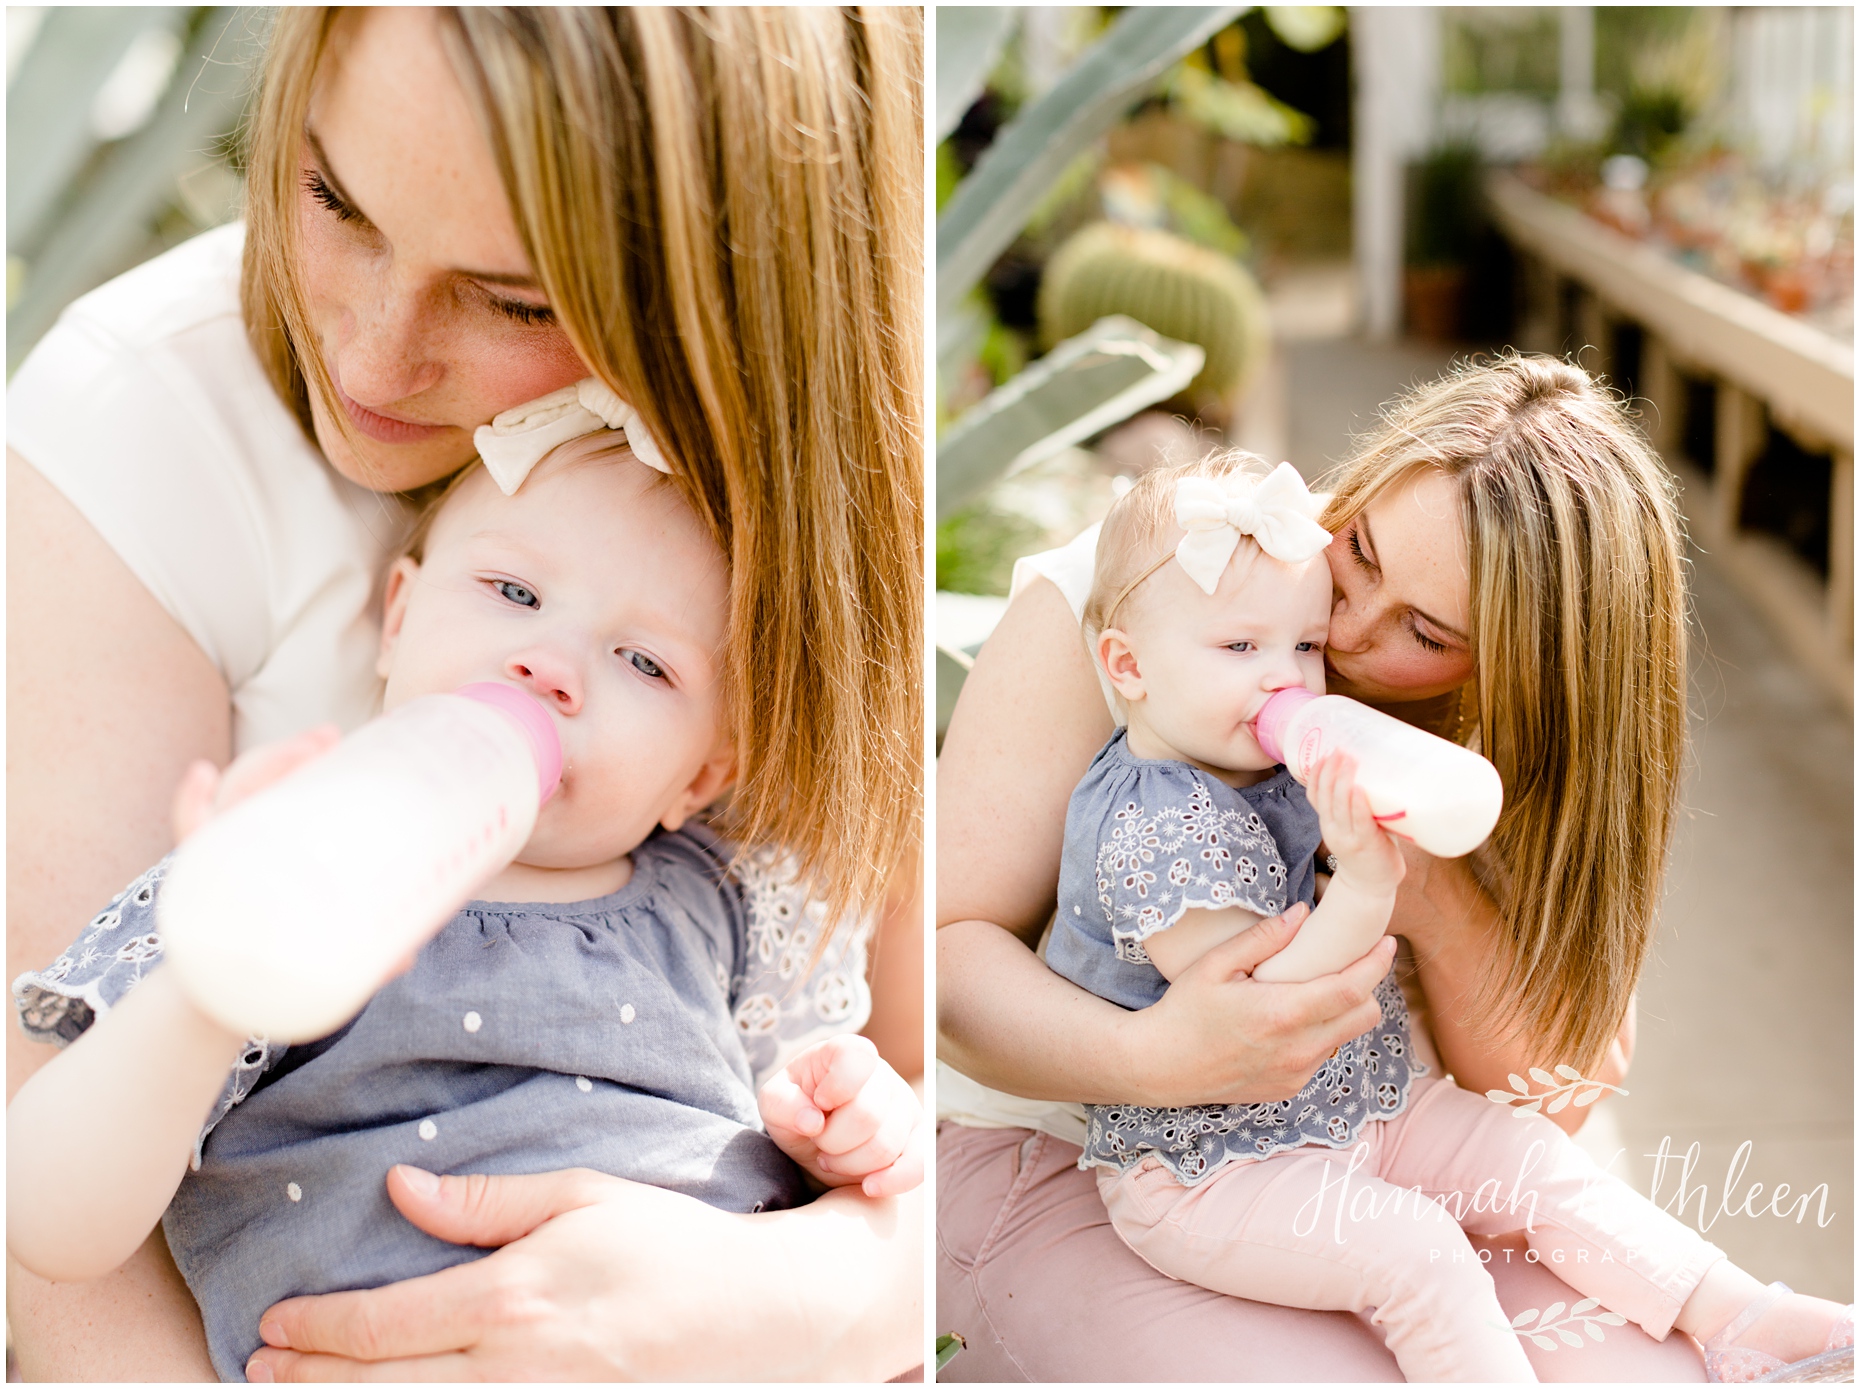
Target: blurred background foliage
pixel 122 140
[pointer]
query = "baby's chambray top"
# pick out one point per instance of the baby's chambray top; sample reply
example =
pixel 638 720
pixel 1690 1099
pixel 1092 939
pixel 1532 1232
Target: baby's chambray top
pixel 528 1037
pixel 1147 840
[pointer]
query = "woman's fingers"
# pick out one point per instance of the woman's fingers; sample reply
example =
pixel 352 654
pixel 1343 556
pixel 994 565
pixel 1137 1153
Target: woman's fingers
pixel 490 1211
pixel 292 1367
pixel 441 1313
pixel 1244 953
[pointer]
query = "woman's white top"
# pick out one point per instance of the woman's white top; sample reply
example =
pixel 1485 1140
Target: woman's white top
pixel 962 1100
pixel 146 406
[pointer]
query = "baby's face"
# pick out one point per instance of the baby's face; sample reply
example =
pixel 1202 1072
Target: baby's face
pixel 596 590
pixel 1202 666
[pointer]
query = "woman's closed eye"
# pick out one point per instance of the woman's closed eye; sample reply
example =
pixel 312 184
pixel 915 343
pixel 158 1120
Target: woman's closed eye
pixel 318 188
pixel 1427 642
pixel 1356 548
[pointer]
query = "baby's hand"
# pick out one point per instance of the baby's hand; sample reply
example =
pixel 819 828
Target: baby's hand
pixel 845 1116
pixel 1367 854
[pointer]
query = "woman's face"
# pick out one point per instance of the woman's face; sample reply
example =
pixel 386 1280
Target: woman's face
pixel 1398 621
pixel 424 306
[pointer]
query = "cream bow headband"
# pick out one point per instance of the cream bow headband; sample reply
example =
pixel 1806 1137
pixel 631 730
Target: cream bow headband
pixel 1278 511
pixel 515 441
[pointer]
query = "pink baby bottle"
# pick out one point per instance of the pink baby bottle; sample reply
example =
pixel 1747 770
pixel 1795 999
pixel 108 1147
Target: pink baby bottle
pixel 282 916
pixel 1444 797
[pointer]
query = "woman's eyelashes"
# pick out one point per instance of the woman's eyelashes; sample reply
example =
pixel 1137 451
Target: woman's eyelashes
pixel 1356 548
pixel 1439 648
pixel 527 314
pixel 319 189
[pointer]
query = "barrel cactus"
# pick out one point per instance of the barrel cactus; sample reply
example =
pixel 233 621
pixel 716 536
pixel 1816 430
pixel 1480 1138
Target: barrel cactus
pixel 1179 289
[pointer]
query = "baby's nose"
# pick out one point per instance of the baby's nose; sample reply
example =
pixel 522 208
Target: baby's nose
pixel 550 676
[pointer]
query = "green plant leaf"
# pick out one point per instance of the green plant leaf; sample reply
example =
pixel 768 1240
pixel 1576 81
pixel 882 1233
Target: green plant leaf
pixel 994 201
pixel 969 40
pixel 946 1347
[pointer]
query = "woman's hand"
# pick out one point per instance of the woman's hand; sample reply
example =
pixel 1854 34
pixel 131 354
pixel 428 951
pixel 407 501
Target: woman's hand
pixel 603 1279
pixel 1219 1036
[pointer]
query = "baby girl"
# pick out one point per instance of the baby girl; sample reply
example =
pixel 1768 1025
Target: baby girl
pixel 579 1015
pixel 1211 594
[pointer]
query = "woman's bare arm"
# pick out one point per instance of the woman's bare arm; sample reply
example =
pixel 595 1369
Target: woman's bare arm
pixel 1030 718
pixel 108 701
pixel 896 1027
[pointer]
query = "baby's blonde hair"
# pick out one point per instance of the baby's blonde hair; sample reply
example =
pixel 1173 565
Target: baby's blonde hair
pixel 1140 533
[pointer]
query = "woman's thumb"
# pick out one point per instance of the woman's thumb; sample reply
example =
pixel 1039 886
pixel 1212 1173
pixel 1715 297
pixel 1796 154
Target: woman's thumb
pixel 1247 951
pixel 489 1211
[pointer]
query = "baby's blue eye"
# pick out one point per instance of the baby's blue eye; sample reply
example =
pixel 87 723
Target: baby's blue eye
pixel 517 594
pixel 1240 647
pixel 644 664
pixel 1310 646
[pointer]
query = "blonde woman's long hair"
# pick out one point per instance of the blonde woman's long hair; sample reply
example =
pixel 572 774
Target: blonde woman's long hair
pixel 1578 613
pixel 725 209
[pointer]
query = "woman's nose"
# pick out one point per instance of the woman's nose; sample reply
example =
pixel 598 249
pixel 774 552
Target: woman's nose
pixel 550 676
pixel 385 356
pixel 1348 628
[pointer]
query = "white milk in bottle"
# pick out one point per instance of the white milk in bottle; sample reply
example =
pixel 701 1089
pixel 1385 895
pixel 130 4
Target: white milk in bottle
pixel 282 916
pixel 1444 797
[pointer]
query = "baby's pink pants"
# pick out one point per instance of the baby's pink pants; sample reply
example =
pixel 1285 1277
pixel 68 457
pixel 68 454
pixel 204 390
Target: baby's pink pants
pixel 1343 1230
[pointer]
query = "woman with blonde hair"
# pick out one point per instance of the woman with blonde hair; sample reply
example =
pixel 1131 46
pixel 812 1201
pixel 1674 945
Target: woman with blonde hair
pixel 450 213
pixel 1507 572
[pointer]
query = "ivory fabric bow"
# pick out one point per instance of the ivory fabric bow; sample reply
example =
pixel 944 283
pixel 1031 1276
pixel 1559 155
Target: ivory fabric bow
pixel 515 441
pixel 1278 511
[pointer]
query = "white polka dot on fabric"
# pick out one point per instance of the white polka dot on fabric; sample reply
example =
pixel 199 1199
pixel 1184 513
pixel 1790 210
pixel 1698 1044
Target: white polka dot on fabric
pixel 294 1191
pixel 583 1084
pixel 626 1012
pixel 473 1022
pixel 428 1130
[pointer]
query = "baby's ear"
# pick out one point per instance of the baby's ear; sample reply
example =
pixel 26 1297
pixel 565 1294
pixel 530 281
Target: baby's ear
pixel 1119 660
pixel 712 780
pixel 400 579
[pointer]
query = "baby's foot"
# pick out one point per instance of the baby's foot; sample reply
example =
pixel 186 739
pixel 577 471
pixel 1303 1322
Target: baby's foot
pixel 1778 1329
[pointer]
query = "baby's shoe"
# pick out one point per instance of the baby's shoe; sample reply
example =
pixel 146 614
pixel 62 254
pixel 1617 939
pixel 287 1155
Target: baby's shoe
pixel 1729 1363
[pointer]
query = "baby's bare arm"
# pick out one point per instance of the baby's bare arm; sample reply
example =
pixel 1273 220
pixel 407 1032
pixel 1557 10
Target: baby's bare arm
pixel 1198 931
pixel 99 1138
pixel 1356 908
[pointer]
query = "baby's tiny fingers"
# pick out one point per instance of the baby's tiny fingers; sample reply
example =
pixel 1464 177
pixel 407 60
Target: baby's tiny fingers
pixel 904 1175
pixel 850 1063
pixel 886 1144
pixel 785 1105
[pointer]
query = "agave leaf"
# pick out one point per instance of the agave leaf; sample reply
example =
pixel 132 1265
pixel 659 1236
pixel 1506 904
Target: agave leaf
pixel 993 203
pixel 1541 1076
pixel 1569 1072
pixel 1086 384
pixel 969 40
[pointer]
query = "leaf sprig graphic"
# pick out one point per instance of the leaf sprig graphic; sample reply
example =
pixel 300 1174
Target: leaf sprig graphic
pixel 1583 1314
pixel 1575 1089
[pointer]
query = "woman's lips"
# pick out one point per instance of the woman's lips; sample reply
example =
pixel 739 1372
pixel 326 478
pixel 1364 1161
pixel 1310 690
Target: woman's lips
pixel 386 429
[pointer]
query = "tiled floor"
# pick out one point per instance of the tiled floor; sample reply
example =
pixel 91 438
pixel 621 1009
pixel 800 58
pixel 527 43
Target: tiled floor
pixel 1746 1010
